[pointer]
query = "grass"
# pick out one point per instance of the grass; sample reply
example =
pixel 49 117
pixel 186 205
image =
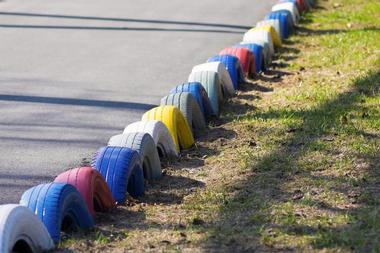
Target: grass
pixel 293 164
pixel 317 162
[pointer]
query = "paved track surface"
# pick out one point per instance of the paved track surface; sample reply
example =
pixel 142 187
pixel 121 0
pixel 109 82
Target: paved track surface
pixel 75 72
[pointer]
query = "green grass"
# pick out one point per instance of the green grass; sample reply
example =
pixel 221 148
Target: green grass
pixel 302 172
pixel 312 182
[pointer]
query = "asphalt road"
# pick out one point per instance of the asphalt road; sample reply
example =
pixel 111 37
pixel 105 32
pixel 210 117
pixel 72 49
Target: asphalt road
pixel 75 72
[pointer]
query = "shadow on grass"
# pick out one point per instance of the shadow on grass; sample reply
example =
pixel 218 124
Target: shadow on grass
pixel 247 223
pixel 170 190
pixel 303 31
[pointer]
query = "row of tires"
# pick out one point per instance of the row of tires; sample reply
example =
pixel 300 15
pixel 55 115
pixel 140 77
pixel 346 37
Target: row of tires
pixel 134 157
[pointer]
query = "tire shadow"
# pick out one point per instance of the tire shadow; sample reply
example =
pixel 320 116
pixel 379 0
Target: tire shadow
pixel 170 189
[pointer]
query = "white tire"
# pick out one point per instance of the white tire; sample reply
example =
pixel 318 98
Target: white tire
pixel 275 23
pixel 214 88
pixel 160 134
pixel 292 7
pixel 187 104
pixel 22 231
pixel 252 36
pixel 223 74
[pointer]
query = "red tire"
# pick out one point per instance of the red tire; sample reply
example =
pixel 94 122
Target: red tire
pixel 245 57
pixel 91 185
pixel 302 7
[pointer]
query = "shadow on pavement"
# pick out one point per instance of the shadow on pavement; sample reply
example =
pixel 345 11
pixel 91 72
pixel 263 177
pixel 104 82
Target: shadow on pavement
pixel 130 20
pixel 113 28
pixel 76 101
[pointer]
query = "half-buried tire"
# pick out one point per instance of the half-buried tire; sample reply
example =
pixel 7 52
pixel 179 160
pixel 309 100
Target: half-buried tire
pixel 285 22
pixel 301 5
pixel 59 206
pixel 160 134
pixel 22 232
pixel 288 6
pixel 275 23
pixel 267 57
pixel 223 75
pixel 233 67
pixel 189 107
pixel 254 35
pixel 91 185
pixel 121 168
pixel 176 123
pixel 257 51
pixel 211 83
pixel 199 93
pixel 245 57
pixel 276 37
pixel 145 146
pixel 288 18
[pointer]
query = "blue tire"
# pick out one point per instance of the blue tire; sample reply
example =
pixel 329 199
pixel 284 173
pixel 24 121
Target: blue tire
pixel 122 170
pixel 286 21
pixel 284 26
pixel 59 206
pixel 199 93
pixel 257 51
pixel 289 20
pixel 233 67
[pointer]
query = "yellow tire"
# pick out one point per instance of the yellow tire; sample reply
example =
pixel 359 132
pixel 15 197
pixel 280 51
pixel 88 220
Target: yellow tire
pixel 270 29
pixel 174 120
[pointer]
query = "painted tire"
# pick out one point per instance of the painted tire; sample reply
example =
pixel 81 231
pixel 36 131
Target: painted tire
pixel 210 81
pixel 59 206
pixel 245 57
pixel 199 93
pixel 160 134
pixel 176 123
pixel 145 146
pixel 273 33
pixel 257 51
pixel 309 3
pixel 304 5
pixel 22 231
pixel 289 19
pixel 275 23
pixel 285 22
pixel 301 4
pixel 189 107
pixel 121 168
pixel 267 58
pixel 253 36
pixel 91 185
pixel 233 67
pixel 291 7
pixel 223 74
